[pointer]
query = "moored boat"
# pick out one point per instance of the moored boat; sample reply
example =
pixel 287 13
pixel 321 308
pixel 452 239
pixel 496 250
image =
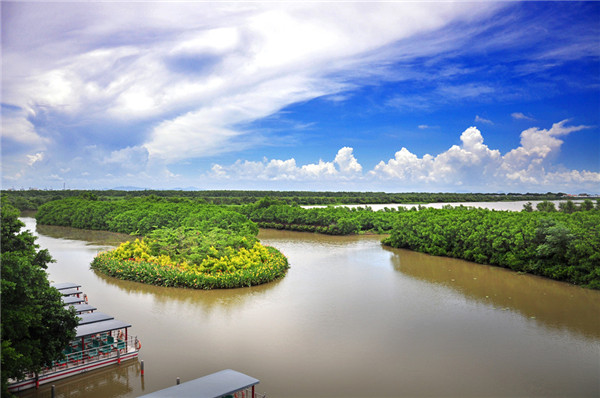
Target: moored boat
pixel 100 341
pixel 224 384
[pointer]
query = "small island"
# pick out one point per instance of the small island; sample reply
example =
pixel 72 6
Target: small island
pixel 175 242
pixel 135 261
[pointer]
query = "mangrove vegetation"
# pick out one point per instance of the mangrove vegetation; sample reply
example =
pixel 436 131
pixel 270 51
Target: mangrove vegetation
pixel 188 242
pixel 32 199
pixel 183 243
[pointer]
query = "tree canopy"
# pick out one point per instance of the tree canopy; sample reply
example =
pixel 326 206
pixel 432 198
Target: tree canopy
pixel 35 325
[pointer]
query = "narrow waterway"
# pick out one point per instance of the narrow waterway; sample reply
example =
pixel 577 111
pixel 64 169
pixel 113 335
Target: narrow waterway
pixel 350 319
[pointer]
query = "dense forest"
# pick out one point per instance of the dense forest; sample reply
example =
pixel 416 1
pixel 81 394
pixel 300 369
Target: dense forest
pixel 559 243
pixel 32 199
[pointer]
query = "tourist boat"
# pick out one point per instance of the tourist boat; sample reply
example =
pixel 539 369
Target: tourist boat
pixel 224 384
pixel 100 341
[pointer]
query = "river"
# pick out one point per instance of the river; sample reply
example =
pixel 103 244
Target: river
pixel 516 205
pixel 350 319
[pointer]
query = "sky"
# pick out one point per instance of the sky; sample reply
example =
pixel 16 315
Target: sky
pixel 336 96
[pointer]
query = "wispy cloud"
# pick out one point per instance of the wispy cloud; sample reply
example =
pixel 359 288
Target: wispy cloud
pixel 521 116
pixel 479 119
pixel 199 80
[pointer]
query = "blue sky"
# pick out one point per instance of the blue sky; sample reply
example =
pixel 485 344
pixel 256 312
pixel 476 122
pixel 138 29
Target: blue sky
pixel 379 96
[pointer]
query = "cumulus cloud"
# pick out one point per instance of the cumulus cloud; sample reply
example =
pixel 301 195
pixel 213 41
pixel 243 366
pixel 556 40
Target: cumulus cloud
pixel 471 162
pixel 466 166
pixel 343 168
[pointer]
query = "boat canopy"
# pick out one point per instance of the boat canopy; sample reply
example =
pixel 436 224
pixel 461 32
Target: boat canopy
pixel 93 317
pixel 79 308
pixel 70 292
pixel 72 300
pixel 216 385
pixel 65 285
pixel 100 327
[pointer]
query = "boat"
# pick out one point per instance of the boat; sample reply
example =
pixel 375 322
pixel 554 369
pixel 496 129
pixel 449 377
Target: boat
pixel 226 383
pixel 100 341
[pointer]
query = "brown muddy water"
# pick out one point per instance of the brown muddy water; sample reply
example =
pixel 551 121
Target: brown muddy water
pixel 350 319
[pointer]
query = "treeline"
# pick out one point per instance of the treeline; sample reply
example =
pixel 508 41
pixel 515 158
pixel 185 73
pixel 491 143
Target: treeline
pixel 139 216
pixel 558 245
pixel 274 214
pixel 567 206
pixel 33 199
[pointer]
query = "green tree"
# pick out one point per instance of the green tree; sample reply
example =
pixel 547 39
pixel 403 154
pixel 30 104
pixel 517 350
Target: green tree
pixel 567 207
pixel 35 326
pixel 528 207
pixel 546 206
pixel 587 205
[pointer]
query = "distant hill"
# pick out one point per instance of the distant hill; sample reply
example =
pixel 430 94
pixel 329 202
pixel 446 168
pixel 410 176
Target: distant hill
pixel 129 188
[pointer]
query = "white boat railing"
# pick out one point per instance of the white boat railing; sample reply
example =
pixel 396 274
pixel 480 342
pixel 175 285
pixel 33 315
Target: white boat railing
pixel 95 350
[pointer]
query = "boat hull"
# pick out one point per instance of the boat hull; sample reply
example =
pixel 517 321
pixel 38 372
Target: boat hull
pixel 71 370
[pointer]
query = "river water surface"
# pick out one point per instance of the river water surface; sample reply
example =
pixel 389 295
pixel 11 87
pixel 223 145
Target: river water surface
pixel 350 319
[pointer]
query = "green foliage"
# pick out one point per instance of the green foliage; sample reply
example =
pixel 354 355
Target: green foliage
pixel 563 248
pixel 546 206
pixel 329 220
pixel 183 238
pixel 35 325
pixel 258 265
pixel 32 199
pixel 140 216
pixel 557 245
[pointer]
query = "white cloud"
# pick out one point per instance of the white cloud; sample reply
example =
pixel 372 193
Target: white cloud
pixel 537 146
pixel 17 127
pixel 479 119
pixel 219 66
pixel 344 167
pixel 471 165
pixel 521 116
pixel 32 159
pixel 346 161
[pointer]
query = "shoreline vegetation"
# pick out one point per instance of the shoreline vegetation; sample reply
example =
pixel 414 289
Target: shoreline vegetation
pixel 187 236
pixel 183 244
pixel 32 199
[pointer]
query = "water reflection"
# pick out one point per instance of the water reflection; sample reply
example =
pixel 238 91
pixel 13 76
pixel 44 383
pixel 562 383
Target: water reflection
pixel 112 381
pixel 551 303
pixel 206 300
pixel 91 237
